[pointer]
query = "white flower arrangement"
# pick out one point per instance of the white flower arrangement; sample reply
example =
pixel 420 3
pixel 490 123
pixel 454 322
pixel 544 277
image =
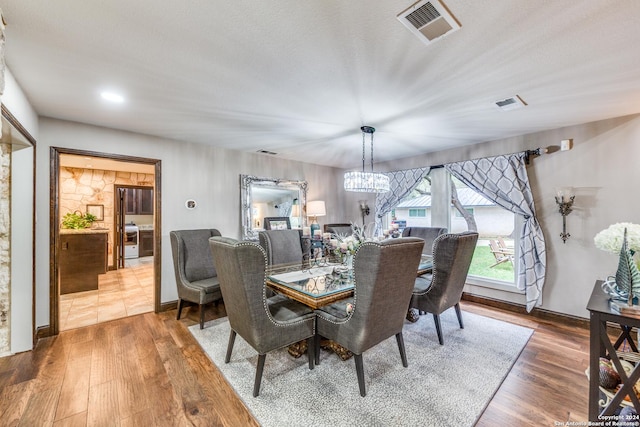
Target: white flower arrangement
pixel 349 244
pixel 610 239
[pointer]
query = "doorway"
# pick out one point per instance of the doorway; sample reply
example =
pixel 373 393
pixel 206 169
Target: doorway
pixel 119 288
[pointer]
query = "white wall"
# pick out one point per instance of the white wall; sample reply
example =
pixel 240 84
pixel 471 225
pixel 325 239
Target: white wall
pixel 17 103
pixel 22 178
pixel 602 166
pixel 207 174
pixel 21 249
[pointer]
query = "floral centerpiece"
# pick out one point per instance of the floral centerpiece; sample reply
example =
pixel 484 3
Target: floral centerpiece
pixel 346 246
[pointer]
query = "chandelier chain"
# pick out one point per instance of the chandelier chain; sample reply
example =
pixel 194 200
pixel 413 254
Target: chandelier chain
pixel 363 159
pixel 372 152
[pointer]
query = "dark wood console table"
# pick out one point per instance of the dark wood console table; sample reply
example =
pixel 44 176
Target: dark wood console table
pixel 600 345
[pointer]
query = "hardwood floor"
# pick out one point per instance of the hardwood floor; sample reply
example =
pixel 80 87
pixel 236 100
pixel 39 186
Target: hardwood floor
pixel 149 370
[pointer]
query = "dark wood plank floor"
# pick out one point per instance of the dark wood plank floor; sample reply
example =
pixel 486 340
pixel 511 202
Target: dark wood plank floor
pixel 149 370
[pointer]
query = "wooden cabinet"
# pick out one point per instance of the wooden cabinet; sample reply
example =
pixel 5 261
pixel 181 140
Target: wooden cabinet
pixel 130 205
pixel 138 201
pixel 145 201
pixel 146 243
pixel 603 318
pixel 83 256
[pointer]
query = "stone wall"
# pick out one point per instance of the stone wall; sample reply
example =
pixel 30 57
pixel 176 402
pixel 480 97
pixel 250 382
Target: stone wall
pixel 5 247
pixel 82 187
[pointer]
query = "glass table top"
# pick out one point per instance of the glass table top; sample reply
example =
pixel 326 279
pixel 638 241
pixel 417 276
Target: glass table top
pixel 322 280
pixel 314 281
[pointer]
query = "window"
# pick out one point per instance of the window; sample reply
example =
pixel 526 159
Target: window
pixel 494 259
pixel 415 210
pixel 433 204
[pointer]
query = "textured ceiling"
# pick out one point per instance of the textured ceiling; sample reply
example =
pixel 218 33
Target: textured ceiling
pixel 300 78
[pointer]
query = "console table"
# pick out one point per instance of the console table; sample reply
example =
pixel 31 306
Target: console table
pixel 600 345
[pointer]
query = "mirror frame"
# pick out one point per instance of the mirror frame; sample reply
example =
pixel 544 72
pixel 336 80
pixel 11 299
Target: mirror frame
pixel 247 182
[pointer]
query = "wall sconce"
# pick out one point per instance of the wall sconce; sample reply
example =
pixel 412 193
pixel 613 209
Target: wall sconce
pixel 364 210
pixel 564 199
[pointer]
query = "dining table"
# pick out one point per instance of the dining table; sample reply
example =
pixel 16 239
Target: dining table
pixel 318 283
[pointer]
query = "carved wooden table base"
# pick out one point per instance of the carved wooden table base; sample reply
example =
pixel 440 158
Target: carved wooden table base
pixel 298 349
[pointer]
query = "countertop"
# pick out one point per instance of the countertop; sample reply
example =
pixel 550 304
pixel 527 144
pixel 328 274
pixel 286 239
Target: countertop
pixel 83 230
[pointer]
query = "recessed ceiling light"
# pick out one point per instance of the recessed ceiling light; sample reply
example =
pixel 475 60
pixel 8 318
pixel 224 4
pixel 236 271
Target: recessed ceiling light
pixel 112 97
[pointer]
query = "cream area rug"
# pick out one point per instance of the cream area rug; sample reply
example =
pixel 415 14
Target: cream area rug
pixel 447 385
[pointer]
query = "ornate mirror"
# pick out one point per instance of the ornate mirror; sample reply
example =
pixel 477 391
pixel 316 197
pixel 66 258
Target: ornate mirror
pixel 262 198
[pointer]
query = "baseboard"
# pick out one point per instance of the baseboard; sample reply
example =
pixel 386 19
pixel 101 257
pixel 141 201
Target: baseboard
pixel 42 332
pixel 539 313
pixel 166 306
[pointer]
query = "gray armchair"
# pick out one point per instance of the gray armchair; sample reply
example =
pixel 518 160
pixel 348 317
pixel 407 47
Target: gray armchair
pixel 285 246
pixel 442 289
pixel 266 324
pixel 429 234
pixel 196 275
pixel 384 276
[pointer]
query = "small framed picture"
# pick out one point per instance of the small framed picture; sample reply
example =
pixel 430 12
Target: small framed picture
pixel 277 223
pixel 97 211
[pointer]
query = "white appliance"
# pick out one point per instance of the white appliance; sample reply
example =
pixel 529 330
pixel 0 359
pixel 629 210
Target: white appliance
pixel 131 241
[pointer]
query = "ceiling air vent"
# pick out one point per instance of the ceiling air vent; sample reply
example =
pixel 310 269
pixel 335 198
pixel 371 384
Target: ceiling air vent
pixel 267 152
pixel 510 103
pixel 429 20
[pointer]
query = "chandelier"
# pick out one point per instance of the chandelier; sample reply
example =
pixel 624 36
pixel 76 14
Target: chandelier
pixel 366 182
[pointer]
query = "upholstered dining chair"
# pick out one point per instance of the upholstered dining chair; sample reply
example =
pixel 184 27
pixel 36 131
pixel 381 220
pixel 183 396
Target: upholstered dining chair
pixel 384 274
pixel 284 246
pixel 342 229
pixel 266 324
pixel 442 289
pixel 429 234
pixel 196 276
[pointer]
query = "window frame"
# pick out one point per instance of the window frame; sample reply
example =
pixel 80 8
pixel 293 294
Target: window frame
pixel 441 217
pixel 422 210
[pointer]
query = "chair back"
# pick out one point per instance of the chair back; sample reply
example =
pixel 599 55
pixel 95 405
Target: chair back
pixel 192 258
pixel 452 254
pixel 241 269
pixel 429 234
pixel 384 274
pixel 341 229
pixel 284 246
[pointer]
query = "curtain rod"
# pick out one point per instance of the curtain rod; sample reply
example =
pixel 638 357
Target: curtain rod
pixel 527 156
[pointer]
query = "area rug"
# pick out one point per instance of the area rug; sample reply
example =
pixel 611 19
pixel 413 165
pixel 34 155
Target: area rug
pixel 447 385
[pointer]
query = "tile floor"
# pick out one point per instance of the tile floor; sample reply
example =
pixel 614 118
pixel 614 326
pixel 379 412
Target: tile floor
pixel 120 293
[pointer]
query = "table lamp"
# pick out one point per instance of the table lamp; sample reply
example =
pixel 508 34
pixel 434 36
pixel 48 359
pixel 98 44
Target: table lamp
pixel 315 209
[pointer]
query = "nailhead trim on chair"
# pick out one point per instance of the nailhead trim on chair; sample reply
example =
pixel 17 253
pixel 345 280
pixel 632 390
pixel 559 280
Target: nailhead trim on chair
pixel 264 290
pixel 433 269
pixel 355 287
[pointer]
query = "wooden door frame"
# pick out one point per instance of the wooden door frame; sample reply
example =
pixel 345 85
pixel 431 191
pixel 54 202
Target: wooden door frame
pixel 116 206
pixel 54 215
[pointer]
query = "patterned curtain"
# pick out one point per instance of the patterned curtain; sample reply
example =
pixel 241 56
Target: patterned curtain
pixel 504 181
pixel 402 183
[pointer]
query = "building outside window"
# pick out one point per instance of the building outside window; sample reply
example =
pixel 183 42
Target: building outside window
pixel 494 258
pixel 494 262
